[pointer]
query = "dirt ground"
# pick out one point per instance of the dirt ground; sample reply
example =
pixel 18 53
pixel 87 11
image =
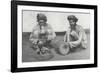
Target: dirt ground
pixel 28 54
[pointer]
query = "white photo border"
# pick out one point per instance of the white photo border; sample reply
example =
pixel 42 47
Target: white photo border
pixel 52 63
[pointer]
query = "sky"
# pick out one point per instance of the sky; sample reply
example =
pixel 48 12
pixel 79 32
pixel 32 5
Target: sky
pixel 58 20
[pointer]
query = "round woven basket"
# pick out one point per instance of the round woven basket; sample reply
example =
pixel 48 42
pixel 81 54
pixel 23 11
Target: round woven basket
pixel 61 47
pixel 64 49
pixel 44 55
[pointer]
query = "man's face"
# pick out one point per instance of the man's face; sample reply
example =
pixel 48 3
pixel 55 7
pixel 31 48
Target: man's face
pixel 72 23
pixel 42 22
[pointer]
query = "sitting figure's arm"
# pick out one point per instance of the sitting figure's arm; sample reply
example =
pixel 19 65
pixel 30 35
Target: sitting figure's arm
pixel 66 37
pixel 77 42
pixel 34 36
pixel 51 34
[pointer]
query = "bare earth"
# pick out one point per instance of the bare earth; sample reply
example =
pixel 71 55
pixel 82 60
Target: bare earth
pixel 28 54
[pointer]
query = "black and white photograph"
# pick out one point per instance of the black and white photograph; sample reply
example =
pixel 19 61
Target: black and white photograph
pixel 53 36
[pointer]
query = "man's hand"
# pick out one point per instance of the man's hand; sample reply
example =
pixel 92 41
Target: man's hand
pixel 40 43
pixel 71 44
pixel 49 37
pixel 73 33
pixel 34 42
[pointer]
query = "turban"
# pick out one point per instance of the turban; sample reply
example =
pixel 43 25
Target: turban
pixel 72 17
pixel 41 16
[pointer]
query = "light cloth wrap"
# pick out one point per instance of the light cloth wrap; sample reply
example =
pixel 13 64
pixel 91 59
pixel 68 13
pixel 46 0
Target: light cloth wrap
pixel 77 37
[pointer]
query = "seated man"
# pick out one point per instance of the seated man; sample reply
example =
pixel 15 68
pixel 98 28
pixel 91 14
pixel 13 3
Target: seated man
pixel 75 35
pixel 42 33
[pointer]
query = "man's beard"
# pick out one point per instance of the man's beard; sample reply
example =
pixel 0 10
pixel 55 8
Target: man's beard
pixel 42 29
pixel 73 27
pixel 42 24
